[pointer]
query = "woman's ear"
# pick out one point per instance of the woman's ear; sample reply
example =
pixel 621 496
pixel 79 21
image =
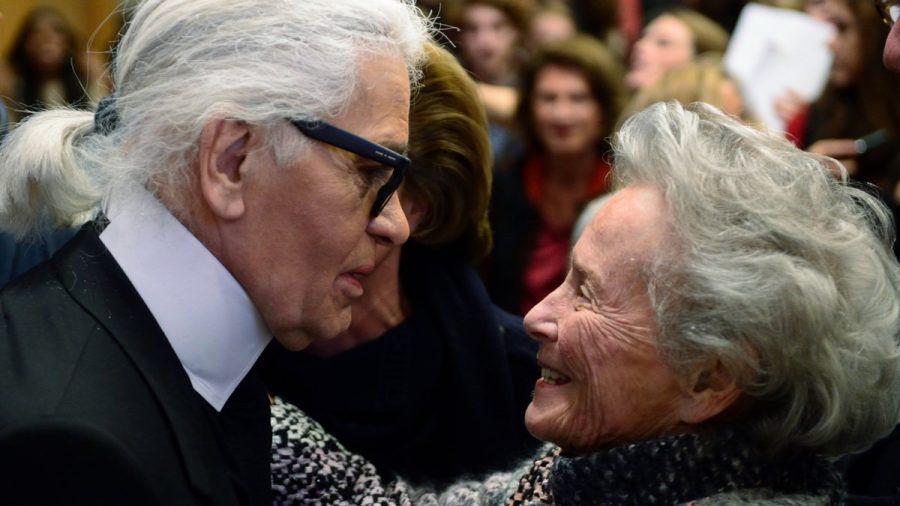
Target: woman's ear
pixel 224 144
pixel 709 391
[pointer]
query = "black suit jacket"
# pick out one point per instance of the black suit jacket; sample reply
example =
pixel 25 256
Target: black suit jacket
pixel 95 407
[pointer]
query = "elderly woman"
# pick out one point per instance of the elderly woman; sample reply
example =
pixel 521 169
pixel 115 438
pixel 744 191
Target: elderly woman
pixel 727 326
pixel 430 369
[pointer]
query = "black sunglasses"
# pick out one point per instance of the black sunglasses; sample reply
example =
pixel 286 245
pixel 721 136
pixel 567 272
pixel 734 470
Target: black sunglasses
pixel 330 134
pixel 889 10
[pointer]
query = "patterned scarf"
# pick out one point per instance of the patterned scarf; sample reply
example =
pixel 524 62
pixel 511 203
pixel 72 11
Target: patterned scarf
pixel 675 470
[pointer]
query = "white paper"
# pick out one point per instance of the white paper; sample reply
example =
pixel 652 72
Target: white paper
pixel 774 50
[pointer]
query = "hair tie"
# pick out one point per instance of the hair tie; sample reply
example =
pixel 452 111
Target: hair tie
pixel 106 118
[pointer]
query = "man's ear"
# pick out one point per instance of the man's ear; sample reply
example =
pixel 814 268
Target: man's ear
pixel 709 391
pixel 224 144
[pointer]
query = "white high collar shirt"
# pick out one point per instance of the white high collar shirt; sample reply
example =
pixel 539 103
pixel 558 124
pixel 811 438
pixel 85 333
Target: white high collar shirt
pixel 209 320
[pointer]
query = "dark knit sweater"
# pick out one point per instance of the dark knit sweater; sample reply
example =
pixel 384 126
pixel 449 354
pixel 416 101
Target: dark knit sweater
pixel 439 396
pixel 720 467
pixel 713 468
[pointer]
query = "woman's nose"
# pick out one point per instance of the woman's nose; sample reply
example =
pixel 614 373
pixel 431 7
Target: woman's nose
pixel 541 322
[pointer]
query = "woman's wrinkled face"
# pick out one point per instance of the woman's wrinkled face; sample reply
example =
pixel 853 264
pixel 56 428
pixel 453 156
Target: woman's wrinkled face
pixel 666 43
pixel 603 381
pixel 846 44
pixel 566 117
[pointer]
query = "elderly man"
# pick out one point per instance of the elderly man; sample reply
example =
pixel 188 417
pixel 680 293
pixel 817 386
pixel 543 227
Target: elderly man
pixel 237 185
pixel 890 12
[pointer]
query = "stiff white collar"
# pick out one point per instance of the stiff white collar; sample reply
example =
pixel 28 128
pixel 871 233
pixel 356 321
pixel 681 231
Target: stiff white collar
pixel 205 314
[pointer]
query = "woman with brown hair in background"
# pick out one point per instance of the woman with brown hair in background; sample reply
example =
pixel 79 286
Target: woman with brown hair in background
pixel 50 69
pixel 861 99
pixel 571 96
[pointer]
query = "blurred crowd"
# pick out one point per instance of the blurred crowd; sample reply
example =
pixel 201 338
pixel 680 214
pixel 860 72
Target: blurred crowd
pixel 556 78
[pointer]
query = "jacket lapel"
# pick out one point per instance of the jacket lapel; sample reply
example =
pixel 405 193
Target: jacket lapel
pixel 94 279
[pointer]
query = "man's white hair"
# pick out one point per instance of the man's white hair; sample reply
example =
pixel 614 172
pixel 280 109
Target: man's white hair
pixel 778 269
pixel 182 63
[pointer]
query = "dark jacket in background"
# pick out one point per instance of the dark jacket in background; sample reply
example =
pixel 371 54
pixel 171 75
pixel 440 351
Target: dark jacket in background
pixel 514 223
pixel 441 395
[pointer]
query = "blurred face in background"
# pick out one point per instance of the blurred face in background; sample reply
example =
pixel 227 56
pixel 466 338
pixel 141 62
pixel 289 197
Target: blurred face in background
pixel 846 44
pixel 488 41
pixel 666 43
pixel 566 116
pixel 46 45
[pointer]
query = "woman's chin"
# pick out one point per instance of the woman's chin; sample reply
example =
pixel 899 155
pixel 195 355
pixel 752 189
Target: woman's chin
pixel 542 424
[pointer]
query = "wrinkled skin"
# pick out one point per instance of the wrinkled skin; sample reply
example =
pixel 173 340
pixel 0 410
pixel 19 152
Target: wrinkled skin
pixel 598 330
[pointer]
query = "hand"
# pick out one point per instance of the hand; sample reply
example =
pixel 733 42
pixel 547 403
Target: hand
pixel 843 150
pixel 789 105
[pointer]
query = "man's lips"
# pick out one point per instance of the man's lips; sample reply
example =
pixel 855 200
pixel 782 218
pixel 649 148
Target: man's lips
pixel 354 278
pixel 363 270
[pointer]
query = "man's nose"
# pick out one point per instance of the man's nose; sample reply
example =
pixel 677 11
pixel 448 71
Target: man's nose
pixel 390 226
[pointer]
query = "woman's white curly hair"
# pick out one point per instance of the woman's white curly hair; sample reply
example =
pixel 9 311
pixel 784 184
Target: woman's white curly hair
pixel 781 270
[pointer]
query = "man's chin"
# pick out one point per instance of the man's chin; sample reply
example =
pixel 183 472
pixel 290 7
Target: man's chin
pixel 322 328
pixel 294 341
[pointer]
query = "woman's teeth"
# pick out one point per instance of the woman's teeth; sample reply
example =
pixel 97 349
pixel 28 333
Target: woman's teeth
pixel 553 377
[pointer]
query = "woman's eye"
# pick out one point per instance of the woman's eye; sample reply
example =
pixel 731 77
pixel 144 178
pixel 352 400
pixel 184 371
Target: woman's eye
pixel 583 298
